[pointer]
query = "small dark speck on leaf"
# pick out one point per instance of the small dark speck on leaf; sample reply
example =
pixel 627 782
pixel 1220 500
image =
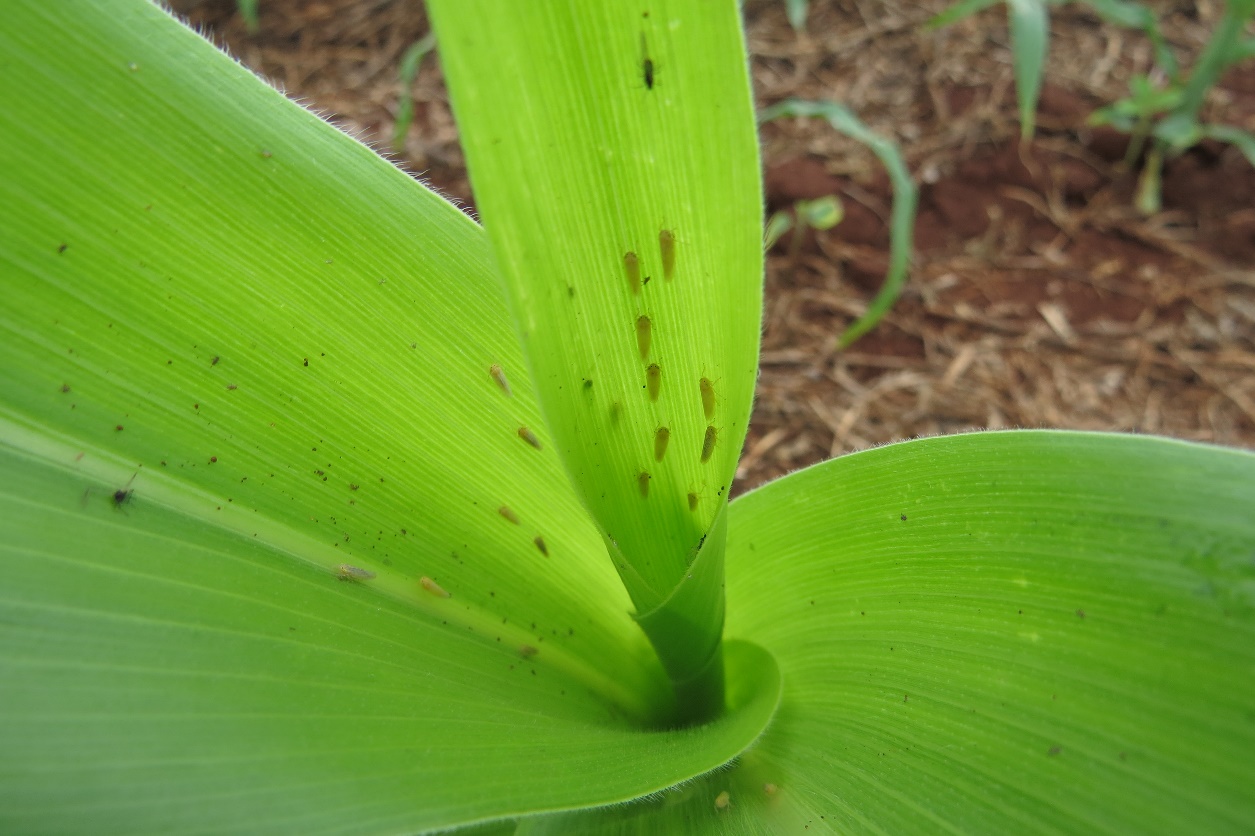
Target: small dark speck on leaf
pixel 231 386
pixel 118 428
pixel 213 459
pixel 122 495
pixel 306 363
pixel 1080 613
pixel 62 248
pixel 265 155
pixel 65 387
pixel 540 544
pixel 352 487
pixel 1054 750
pixel 904 518
pixel 214 361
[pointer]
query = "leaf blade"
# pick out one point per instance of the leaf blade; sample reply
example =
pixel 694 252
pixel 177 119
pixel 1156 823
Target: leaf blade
pixel 254 385
pixel 591 196
pixel 177 676
pixel 1055 638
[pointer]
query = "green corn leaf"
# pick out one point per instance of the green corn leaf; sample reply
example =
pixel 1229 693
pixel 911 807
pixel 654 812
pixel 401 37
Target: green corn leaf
pixel 248 11
pixel 406 73
pixel 796 11
pixel 821 213
pixel 1244 141
pixel 1178 131
pixel 1242 50
pixel 1133 15
pixel 277 554
pixel 176 675
pixel 631 253
pixel 1119 115
pixel 777 225
pixel 993 633
pixel 958 11
pixel 1030 43
pixel 268 510
pixel 1123 13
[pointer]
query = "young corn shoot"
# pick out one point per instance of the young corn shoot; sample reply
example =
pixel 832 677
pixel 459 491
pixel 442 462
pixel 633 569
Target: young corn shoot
pixel 902 217
pixel 819 214
pixel 1166 113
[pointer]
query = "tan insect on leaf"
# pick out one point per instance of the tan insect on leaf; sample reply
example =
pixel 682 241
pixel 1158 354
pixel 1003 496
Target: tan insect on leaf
pixel 433 587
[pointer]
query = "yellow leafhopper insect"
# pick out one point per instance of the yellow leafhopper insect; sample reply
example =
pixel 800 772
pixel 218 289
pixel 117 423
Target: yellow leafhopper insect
pixel 433 587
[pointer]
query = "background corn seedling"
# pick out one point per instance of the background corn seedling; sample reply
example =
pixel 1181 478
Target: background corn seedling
pixel 1162 106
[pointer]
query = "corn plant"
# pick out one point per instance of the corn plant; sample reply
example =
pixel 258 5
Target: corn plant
pixel 248 10
pixel 820 214
pixel 902 216
pixel 406 74
pixel 1029 22
pixel 326 509
pixel 1163 106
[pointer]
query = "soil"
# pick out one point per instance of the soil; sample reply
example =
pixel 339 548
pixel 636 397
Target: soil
pixel 1038 296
